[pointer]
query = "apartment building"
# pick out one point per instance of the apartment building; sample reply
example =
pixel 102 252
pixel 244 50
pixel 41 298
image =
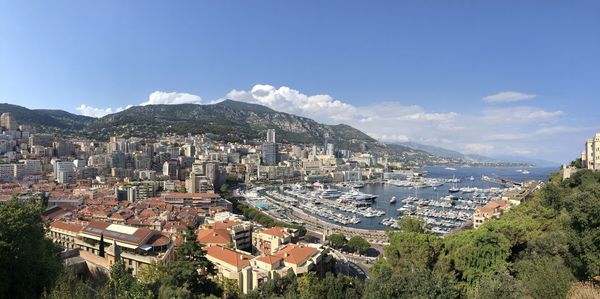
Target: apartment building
pixel 251 272
pixel 492 209
pixel 590 158
pixel 268 240
pixel 136 247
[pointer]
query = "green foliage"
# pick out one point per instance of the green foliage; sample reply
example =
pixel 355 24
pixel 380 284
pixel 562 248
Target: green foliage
pixel 337 240
pixel 189 273
pixel 310 286
pixel 388 282
pixel 544 277
pixel 258 216
pixel 123 285
pixel 101 246
pixel 358 243
pixel 28 261
pixel 412 224
pixel 500 285
pixel 411 251
pixel 67 285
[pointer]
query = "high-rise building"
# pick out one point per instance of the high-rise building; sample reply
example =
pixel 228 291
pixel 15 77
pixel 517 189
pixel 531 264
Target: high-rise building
pixel 269 153
pixel 271 135
pixel 170 169
pixel 8 122
pixel 64 172
pixel 330 151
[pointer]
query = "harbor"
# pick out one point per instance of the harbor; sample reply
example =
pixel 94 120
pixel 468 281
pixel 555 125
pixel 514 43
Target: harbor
pixel 444 198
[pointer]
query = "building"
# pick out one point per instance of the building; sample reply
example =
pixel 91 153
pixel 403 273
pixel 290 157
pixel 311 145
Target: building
pixel 170 169
pixel 590 158
pixel 199 200
pixel 271 136
pixel 196 183
pixel 252 272
pixel 8 122
pixel 268 241
pixel 136 247
pixel 269 153
pixel 64 172
pixel 492 209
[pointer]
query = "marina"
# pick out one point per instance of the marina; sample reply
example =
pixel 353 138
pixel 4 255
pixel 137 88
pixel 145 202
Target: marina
pixel 444 198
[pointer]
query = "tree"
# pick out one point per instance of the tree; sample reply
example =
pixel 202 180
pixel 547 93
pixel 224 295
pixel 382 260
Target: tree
pixel 411 251
pixel 67 285
pixel 411 224
pixel 358 243
pixel 337 240
pixel 189 272
pixel 544 277
pixel 224 188
pixel 101 245
pixel 28 261
pixel 122 285
pixel 388 283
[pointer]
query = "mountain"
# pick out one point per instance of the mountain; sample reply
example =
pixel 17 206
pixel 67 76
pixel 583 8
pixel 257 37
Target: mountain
pixel 51 120
pixel 231 120
pixel 534 161
pixel 438 151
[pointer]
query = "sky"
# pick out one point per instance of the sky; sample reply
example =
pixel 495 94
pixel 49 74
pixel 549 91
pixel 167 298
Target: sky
pixel 496 78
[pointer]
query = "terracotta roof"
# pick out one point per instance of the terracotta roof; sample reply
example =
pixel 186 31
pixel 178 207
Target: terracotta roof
pixel 228 256
pixel 214 236
pixel 295 254
pixel 224 224
pixel 72 227
pixel 137 237
pixel 158 240
pixel 269 259
pixel 191 195
pixel 277 231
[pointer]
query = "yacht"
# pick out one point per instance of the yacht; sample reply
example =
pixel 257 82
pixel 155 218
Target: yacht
pixel 525 172
pixel 393 200
pixel 453 189
pixel 450 168
pixel 471 178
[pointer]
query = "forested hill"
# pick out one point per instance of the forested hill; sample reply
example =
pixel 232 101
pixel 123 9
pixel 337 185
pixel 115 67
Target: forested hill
pixel 228 120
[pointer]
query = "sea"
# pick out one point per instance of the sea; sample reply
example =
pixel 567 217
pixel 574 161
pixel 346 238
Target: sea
pixel 386 191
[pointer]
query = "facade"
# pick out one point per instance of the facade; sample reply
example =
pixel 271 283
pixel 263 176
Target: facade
pixel 8 122
pixel 269 153
pixel 590 158
pixel 199 200
pixel 136 247
pixel 252 272
pixel 64 172
pixel 268 241
pixel 492 209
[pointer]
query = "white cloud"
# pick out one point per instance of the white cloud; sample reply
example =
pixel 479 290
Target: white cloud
pixel 508 96
pixel 155 98
pixel 478 148
pixel 493 131
pixel 98 112
pixel 521 114
pixel 171 98
pixel 429 116
pixel 321 107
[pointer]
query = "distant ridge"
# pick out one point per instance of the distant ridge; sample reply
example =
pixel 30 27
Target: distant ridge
pixel 229 120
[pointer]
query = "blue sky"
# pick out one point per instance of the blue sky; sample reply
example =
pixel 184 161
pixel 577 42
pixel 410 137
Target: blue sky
pixel 398 70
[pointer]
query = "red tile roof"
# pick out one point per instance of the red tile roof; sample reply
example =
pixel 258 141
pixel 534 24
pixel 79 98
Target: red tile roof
pixel 214 236
pixel 277 231
pixel 228 256
pixel 295 254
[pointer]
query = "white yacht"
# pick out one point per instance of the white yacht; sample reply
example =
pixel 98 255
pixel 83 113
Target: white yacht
pixel 393 200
